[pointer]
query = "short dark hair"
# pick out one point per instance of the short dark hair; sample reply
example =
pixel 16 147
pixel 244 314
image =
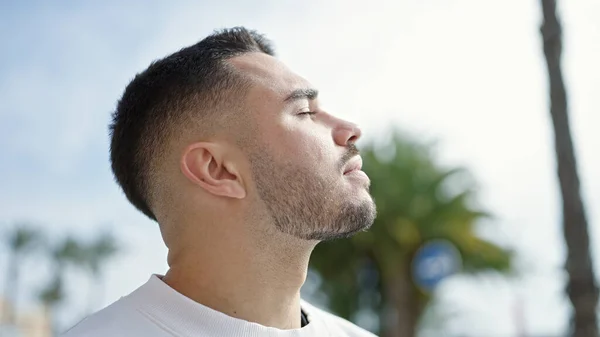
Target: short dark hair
pixel 187 84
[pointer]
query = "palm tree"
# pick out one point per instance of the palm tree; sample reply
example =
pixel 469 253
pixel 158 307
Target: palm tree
pixel 21 241
pixel 581 286
pixel 96 254
pixel 417 201
pixel 67 252
pixel 51 296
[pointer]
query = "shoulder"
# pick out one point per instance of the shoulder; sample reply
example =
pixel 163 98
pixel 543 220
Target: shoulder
pixel 117 320
pixel 336 324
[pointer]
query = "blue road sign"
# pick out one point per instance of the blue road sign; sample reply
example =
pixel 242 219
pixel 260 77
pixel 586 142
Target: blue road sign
pixel 433 262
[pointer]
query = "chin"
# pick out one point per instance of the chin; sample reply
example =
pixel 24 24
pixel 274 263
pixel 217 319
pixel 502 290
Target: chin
pixel 353 218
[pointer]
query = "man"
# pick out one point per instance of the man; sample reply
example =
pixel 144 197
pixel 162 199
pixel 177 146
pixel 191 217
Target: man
pixel 230 152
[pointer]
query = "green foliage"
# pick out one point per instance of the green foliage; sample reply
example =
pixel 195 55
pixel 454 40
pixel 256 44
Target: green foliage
pixel 53 292
pixel 69 251
pixel 104 247
pixel 417 200
pixel 23 238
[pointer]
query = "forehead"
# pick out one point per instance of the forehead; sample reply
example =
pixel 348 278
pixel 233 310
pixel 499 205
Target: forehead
pixel 271 78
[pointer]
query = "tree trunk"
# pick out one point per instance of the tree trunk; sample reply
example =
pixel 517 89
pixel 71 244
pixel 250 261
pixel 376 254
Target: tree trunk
pixel 401 294
pixel 581 287
pixel 10 290
pixel 91 298
pixel 95 293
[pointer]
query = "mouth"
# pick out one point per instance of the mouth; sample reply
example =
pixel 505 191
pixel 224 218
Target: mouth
pixel 355 164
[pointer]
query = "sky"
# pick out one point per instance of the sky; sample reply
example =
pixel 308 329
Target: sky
pixel 468 74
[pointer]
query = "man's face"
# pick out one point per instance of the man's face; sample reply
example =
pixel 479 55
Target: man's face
pixel 304 162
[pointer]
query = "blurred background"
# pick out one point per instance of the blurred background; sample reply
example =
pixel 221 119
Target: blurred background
pixel 453 98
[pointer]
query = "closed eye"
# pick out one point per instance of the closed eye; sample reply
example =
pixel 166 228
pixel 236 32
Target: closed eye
pixel 309 113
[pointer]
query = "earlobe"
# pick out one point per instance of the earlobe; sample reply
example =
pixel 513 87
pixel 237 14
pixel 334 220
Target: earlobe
pixel 204 165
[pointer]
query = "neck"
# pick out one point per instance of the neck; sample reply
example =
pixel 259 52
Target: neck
pixel 254 279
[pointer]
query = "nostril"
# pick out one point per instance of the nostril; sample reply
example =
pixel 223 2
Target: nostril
pixel 353 139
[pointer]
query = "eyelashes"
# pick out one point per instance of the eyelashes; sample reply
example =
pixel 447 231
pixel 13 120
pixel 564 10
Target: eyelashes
pixel 307 113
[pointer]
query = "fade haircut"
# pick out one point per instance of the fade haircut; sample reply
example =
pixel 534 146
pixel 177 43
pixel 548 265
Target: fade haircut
pixel 191 85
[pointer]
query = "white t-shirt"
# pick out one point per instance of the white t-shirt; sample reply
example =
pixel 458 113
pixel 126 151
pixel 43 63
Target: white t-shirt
pixel 157 310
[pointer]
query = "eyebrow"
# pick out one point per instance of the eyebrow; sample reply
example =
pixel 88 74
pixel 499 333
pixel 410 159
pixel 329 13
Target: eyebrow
pixel 299 94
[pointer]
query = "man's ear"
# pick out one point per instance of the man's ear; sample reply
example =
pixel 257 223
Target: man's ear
pixel 206 165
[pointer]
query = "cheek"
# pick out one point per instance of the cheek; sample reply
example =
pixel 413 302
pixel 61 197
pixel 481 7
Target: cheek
pixel 313 150
pixel 302 143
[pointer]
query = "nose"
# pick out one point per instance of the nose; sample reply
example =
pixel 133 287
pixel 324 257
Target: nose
pixel 346 133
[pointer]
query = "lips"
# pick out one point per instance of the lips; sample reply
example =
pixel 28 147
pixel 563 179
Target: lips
pixel 355 164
